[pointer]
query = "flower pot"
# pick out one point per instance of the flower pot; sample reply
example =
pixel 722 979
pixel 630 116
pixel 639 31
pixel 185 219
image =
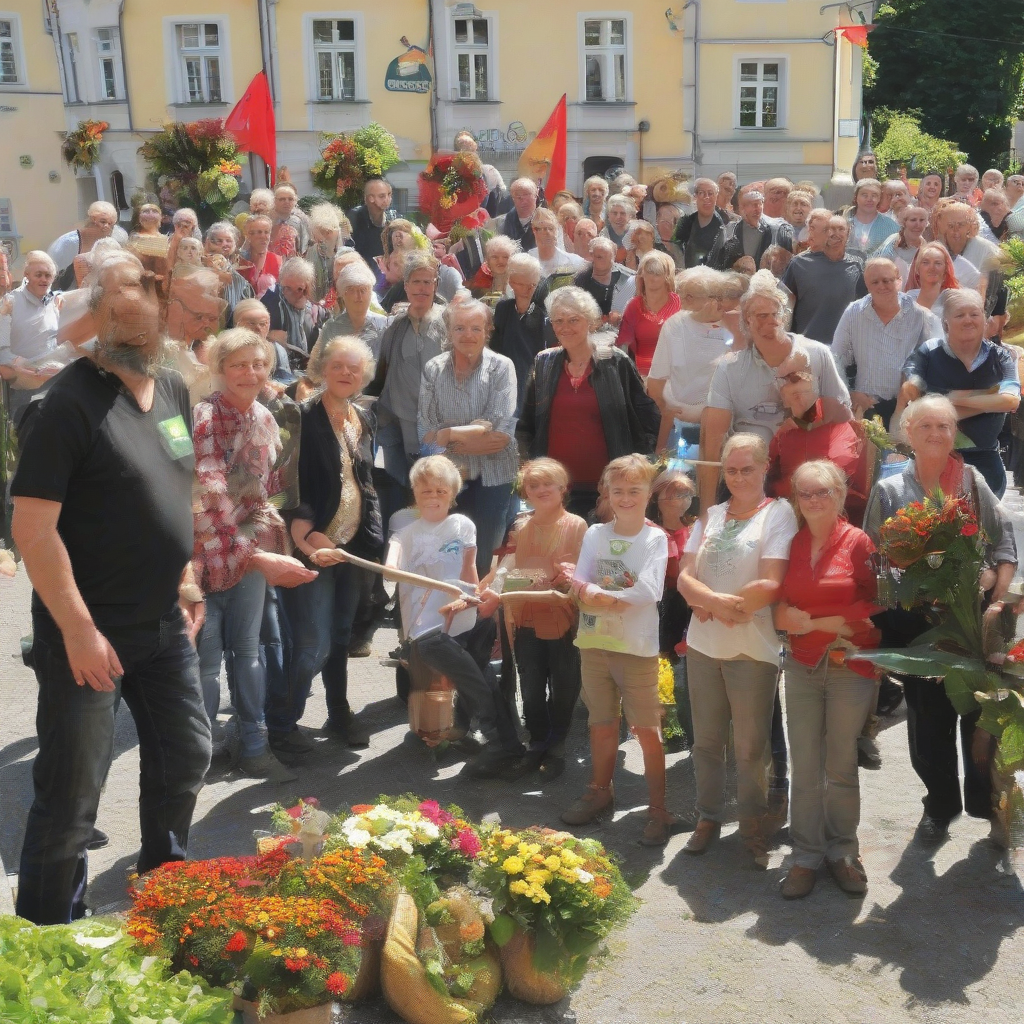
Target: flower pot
pixel 367 981
pixel 522 978
pixel 309 1015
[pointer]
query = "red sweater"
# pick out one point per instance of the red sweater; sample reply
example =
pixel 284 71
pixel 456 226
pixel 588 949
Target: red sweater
pixel 640 329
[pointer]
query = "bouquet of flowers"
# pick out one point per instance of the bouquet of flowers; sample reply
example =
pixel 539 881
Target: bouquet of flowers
pixel 197 164
pixel 81 148
pixel 671 731
pixel 564 893
pixel 347 161
pixel 452 187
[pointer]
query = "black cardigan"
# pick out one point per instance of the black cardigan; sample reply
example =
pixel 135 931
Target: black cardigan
pixel 320 478
pixel 630 417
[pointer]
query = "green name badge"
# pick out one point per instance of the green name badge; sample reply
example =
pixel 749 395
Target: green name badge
pixel 176 435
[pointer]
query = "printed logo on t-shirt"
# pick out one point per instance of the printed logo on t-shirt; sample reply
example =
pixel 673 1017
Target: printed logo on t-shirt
pixel 175 433
pixel 612 573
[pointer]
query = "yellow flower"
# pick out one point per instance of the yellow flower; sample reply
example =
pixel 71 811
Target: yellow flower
pixel 538 877
pixel 302 952
pixel 552 863
pixel 512 865
pixel 508 841
pixel 570 859
pixel 539 894
pixel 519 887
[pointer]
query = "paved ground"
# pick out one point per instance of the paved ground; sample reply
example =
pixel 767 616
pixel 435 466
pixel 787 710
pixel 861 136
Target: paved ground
pixel 937 939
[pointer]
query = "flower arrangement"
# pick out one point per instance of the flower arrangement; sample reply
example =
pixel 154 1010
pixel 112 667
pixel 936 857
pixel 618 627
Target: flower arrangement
pixel 348 160
pixel 195 164
pixel 81 148
pixel 671 730
pixel 566 891
pixel 90 972
pixel 452 187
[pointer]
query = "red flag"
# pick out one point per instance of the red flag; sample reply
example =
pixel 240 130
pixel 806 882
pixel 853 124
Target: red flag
pixel 547 153
pixel 857 34
pixel 252 123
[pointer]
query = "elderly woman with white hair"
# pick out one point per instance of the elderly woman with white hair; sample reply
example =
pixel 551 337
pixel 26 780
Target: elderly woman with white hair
pixel 29 316
pixel 222 241
pixel 467 407
pixel 519 321
pixel 609 283
pixel 338 515
pixel 965 181
pixel 355 293
pixel 595 195
pixel 585 403
pixel 100 222
pixel 295 320
pixel 327 227
pixel 553 259
pixel 978 376
pixel 621 210
pixel 239 537
pixel 868 228
pixel 930 423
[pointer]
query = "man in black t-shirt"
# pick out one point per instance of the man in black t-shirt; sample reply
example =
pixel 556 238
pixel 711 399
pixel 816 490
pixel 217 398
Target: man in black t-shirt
pixel 103 519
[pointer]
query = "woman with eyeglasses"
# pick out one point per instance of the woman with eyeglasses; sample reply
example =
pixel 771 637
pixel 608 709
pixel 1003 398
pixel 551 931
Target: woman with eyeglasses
pixel 733 567
pixel 828 593
pixel 585 403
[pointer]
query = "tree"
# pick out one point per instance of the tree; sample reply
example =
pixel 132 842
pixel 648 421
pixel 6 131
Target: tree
pixel 961 67
pixel 903 141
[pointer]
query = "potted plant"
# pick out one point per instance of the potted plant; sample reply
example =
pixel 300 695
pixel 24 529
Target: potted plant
pixel 81 147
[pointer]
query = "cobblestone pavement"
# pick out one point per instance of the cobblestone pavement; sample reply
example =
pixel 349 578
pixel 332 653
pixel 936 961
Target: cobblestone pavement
pixel 937 939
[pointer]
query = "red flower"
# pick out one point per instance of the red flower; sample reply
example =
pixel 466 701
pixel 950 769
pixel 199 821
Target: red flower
pixel 467 842
pixel 969 529
pixel 237 943
pixel 336 983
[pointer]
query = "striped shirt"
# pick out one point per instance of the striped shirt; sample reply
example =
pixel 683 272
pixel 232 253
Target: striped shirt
pixel 879 350
pixel 489 393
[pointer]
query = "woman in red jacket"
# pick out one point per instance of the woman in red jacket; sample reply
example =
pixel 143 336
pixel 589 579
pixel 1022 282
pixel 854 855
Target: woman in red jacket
pixel 827 595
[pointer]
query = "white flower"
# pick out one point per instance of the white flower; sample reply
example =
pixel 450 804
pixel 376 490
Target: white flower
pixel 584 876
pixel 357 837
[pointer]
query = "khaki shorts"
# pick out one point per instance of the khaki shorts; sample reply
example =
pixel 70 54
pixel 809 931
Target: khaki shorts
pixel 611 678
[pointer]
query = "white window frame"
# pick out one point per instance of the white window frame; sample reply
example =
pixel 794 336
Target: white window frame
pixel 782 85
pixel 114 56
pixel 177 83
pixel 606 51
pixel 311 49
pixel 17 49
pixel 473 50
pixel 71 55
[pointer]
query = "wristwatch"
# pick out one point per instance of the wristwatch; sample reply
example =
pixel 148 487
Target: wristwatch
pixel 191 593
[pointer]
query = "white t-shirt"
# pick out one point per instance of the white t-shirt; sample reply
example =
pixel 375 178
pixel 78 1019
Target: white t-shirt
pixel 633 569
pixel 437 550
pixel 728 558
pixel 686 356
pixel 563 261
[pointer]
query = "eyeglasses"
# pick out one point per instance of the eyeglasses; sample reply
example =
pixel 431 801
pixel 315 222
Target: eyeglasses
pixel 568 321
pixel 746 472
pixel 704 193
pixel 819 495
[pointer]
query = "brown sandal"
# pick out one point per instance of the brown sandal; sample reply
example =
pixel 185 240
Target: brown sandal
pixel 660 825
pixel 594 802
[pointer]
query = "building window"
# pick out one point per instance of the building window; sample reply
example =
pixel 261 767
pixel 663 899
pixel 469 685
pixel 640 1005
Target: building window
pixel 9 74
pixel 473 57
pixel 8 231
pixel 604 54
pixel 760 93
pixel 334 47
pixel 199 48
pixel 108 51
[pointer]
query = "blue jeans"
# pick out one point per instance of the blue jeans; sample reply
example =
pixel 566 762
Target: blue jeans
pixel 75 725
pixel 320 616
pixel 990 465
pixel 232 626
pixel 488 508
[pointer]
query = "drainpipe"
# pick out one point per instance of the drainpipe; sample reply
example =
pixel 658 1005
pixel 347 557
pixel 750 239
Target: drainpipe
pixel 695 148
pixel 433 91
pixel 124 63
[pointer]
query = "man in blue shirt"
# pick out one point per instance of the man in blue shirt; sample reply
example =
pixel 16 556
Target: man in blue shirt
pixel 978 376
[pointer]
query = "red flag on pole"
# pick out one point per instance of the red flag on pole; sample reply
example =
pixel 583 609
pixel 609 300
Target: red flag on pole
pixel 547 153
pixel 857 34
pixel 252 123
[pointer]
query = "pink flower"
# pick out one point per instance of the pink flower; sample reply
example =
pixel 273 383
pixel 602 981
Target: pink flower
pixel 467 842
pixel 431 810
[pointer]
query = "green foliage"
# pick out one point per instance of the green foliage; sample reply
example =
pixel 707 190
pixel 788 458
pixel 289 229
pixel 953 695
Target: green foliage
pixel 348 160
pixel 1013 269
pixel 195 164
pixel 964 74
pixel 88 973
pixel 903 141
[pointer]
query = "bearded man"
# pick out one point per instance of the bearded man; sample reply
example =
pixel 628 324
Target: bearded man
pixel 103 519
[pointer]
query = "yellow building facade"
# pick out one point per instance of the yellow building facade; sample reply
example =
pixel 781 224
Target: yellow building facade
pixel 38 193
pixel 755 86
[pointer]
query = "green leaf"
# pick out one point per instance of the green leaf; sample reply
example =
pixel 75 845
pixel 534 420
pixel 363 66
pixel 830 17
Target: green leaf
pixel 1011 747
pixel 502 929
pixel 960 688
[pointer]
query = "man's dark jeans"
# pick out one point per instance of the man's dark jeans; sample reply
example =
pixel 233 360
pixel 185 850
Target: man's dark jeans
pixel 75 725
pixel 476 687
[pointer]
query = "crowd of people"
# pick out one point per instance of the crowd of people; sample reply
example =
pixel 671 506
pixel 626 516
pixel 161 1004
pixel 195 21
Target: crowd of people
pixel 644 404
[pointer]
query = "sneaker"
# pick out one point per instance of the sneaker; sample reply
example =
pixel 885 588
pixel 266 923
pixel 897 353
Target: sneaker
pixel 528 763
pixel 361 650
pixel 849 875
pixel 932 831
pixel 491 763
pixel 660 825
pixel 798 883
pixel 267 767
pixel 868 754
pixel 706 832
pixel 552 767
pixel 291 743
pixel 348 730
pixel 99 840
pixel 593 804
